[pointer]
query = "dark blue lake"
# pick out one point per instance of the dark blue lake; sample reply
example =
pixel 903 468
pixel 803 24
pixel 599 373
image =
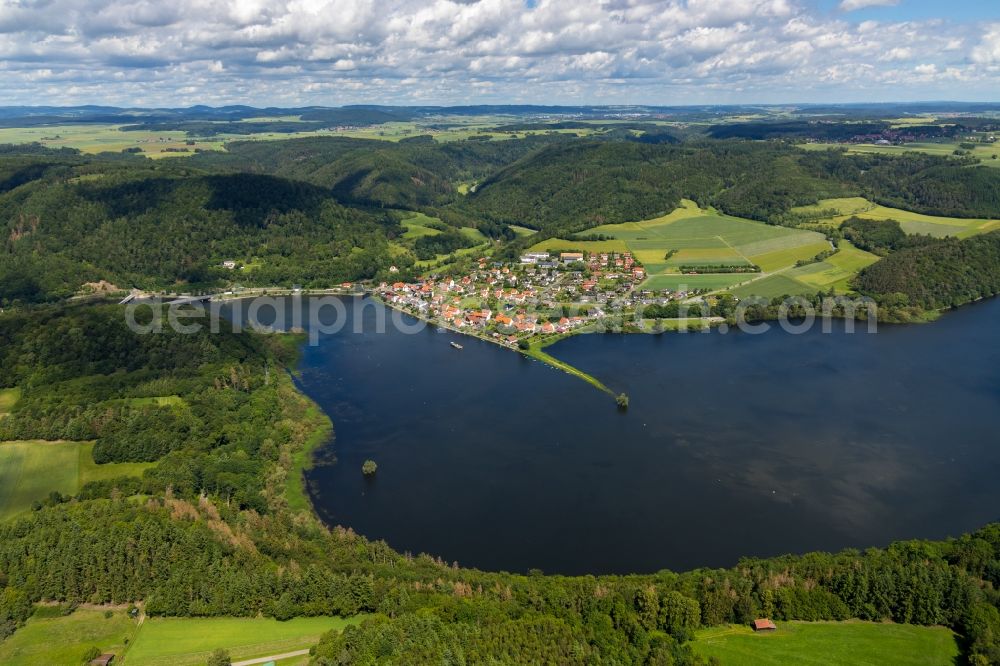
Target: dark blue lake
pixel 733 444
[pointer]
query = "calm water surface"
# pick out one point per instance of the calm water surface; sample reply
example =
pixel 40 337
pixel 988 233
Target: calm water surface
pixel 733 444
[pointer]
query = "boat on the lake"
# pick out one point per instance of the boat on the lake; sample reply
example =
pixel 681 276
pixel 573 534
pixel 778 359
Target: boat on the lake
pixel 455 345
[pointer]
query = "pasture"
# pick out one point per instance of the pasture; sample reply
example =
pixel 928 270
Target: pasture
pixel 836 211
pixel 442 260
pixel 31 470
pixel 983 152
pixel 52 638
pixel 824 209
pixel 916 223
pixel 700 237
pixel 473 234
pixel 852 643
pixel 419 225
pixel 189 641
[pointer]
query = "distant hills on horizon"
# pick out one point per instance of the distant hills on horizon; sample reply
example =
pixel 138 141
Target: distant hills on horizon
pixel 369 114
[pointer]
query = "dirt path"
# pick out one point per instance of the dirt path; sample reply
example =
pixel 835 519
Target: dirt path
pixel 276 657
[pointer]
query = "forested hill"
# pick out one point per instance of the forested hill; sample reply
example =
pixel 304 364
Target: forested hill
pixel 587 183
pixel 209 529
pixel 143 224
pixel 935 275
pixel 572 187
pixel 415 172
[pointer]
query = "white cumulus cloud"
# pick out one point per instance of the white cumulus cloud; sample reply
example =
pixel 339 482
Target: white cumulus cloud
pixel 853 5
pixel 297 52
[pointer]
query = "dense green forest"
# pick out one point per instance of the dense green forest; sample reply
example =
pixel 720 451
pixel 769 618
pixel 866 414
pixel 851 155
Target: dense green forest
pixel 936 274
pixel 208 530
pixel 146 225
pixel 406 174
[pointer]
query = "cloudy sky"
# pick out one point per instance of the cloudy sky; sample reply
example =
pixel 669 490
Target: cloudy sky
pixel 333 52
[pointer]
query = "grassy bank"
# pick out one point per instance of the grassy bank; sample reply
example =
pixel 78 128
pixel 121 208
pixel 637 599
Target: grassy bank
pixel 320 431
pixel 536 350
pixel 312 426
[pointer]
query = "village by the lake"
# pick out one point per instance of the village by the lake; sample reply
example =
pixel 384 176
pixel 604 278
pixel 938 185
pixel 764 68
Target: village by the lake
pixel 543 295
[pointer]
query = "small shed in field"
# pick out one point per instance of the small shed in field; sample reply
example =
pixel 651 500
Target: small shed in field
pixel 103 660
pixel 763 624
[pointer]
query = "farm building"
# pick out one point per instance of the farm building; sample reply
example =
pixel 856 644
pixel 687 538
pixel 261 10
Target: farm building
pixel 103 660
pixel 763 624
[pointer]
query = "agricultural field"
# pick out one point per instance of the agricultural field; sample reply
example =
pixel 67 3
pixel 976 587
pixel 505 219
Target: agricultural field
pixel 851 643
pixel 189 641
pixel 559 244
pixel 912 223
pixel 699 237
pixel 31 470
pixel 681 282
pixel 983 152
pixel 109 138
pixel 155 144
pixel 773 286
pixel 835 271
pixel 50 637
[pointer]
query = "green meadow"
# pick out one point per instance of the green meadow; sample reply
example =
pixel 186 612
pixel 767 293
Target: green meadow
pixel 522 231
pixel 419 225
pixel 31 470
pixel 51 638
pixel 443 259
pixel 911 223
pixel 172 641
pixel 983 152
pixel 851 643
pixel 698 237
